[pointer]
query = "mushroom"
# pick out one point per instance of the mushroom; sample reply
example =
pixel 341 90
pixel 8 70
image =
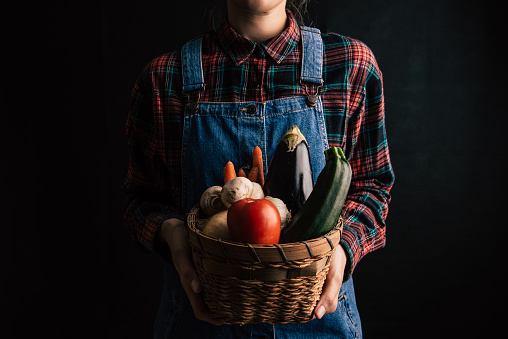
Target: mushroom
pixel 211 202
pixel 236 189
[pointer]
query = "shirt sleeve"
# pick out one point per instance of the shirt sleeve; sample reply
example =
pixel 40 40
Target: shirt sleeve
pixel 366 206
pixel 147 184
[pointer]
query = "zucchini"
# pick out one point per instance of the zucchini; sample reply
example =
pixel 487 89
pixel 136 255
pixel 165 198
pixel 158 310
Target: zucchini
pixel 289 175
pixel 321 211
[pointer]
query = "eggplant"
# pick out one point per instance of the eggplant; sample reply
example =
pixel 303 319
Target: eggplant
pixel 289 175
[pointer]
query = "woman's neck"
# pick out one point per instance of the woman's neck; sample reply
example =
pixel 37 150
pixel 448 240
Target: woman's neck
pixel 257 20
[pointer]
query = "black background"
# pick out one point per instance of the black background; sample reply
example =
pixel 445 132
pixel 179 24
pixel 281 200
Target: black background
pixel 68 267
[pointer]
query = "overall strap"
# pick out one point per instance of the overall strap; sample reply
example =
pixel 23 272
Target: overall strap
pixel 312 60
pixel 192 67
pixel 312 55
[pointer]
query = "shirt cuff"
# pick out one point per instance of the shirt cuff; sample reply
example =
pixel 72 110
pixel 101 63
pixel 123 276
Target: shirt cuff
pixel 348 242
pixel 149 240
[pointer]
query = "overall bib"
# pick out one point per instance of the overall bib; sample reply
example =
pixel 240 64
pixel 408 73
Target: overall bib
pixel 218 132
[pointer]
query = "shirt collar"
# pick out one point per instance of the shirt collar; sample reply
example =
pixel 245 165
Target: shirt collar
pixel 239 48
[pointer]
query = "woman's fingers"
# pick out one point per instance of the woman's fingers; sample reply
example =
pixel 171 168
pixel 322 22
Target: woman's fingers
pixel 176 236
pixel 331 288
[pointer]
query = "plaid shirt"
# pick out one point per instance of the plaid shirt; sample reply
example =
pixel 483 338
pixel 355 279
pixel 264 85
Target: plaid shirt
pixel 237 69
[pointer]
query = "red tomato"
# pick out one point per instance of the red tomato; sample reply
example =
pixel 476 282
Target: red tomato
pixel 255 221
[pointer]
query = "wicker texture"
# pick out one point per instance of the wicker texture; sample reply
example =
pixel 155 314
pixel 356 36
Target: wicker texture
pixel 245 283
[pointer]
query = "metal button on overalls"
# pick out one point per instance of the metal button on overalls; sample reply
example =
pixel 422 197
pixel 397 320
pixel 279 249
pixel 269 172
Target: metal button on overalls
pixel 251 109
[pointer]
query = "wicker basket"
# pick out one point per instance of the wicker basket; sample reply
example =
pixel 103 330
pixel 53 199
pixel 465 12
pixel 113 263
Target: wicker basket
pixel 275 284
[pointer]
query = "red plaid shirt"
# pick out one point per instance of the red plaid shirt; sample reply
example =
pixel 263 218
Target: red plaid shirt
pixel 237 69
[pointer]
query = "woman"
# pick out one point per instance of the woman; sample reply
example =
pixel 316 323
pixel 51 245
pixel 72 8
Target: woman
pixel 189 117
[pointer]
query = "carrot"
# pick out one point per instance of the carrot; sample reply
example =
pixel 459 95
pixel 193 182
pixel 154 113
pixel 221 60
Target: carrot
pixel 257 156
pixel 229 172
pixel 241 173
pixel 254 174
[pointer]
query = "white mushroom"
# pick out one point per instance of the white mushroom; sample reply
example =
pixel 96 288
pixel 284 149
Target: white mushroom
pixel 236 189
pixel 211 202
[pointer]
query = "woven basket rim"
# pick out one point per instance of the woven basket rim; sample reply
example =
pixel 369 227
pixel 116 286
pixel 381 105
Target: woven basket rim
pixel 231 250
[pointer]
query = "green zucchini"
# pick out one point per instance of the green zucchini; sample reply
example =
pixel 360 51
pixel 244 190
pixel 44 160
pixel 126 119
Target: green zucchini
pixel 321 211
pixel 289 175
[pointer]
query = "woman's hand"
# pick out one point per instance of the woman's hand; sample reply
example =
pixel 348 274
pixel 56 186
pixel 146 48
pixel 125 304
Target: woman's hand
pixel 329 297
pixel 173 232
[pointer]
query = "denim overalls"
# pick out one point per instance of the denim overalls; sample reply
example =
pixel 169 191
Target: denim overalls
pixel 218 132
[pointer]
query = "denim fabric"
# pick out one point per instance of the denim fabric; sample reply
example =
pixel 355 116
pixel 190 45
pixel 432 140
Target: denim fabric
pixel 312 57
pixel 192 69
pixel 176 319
